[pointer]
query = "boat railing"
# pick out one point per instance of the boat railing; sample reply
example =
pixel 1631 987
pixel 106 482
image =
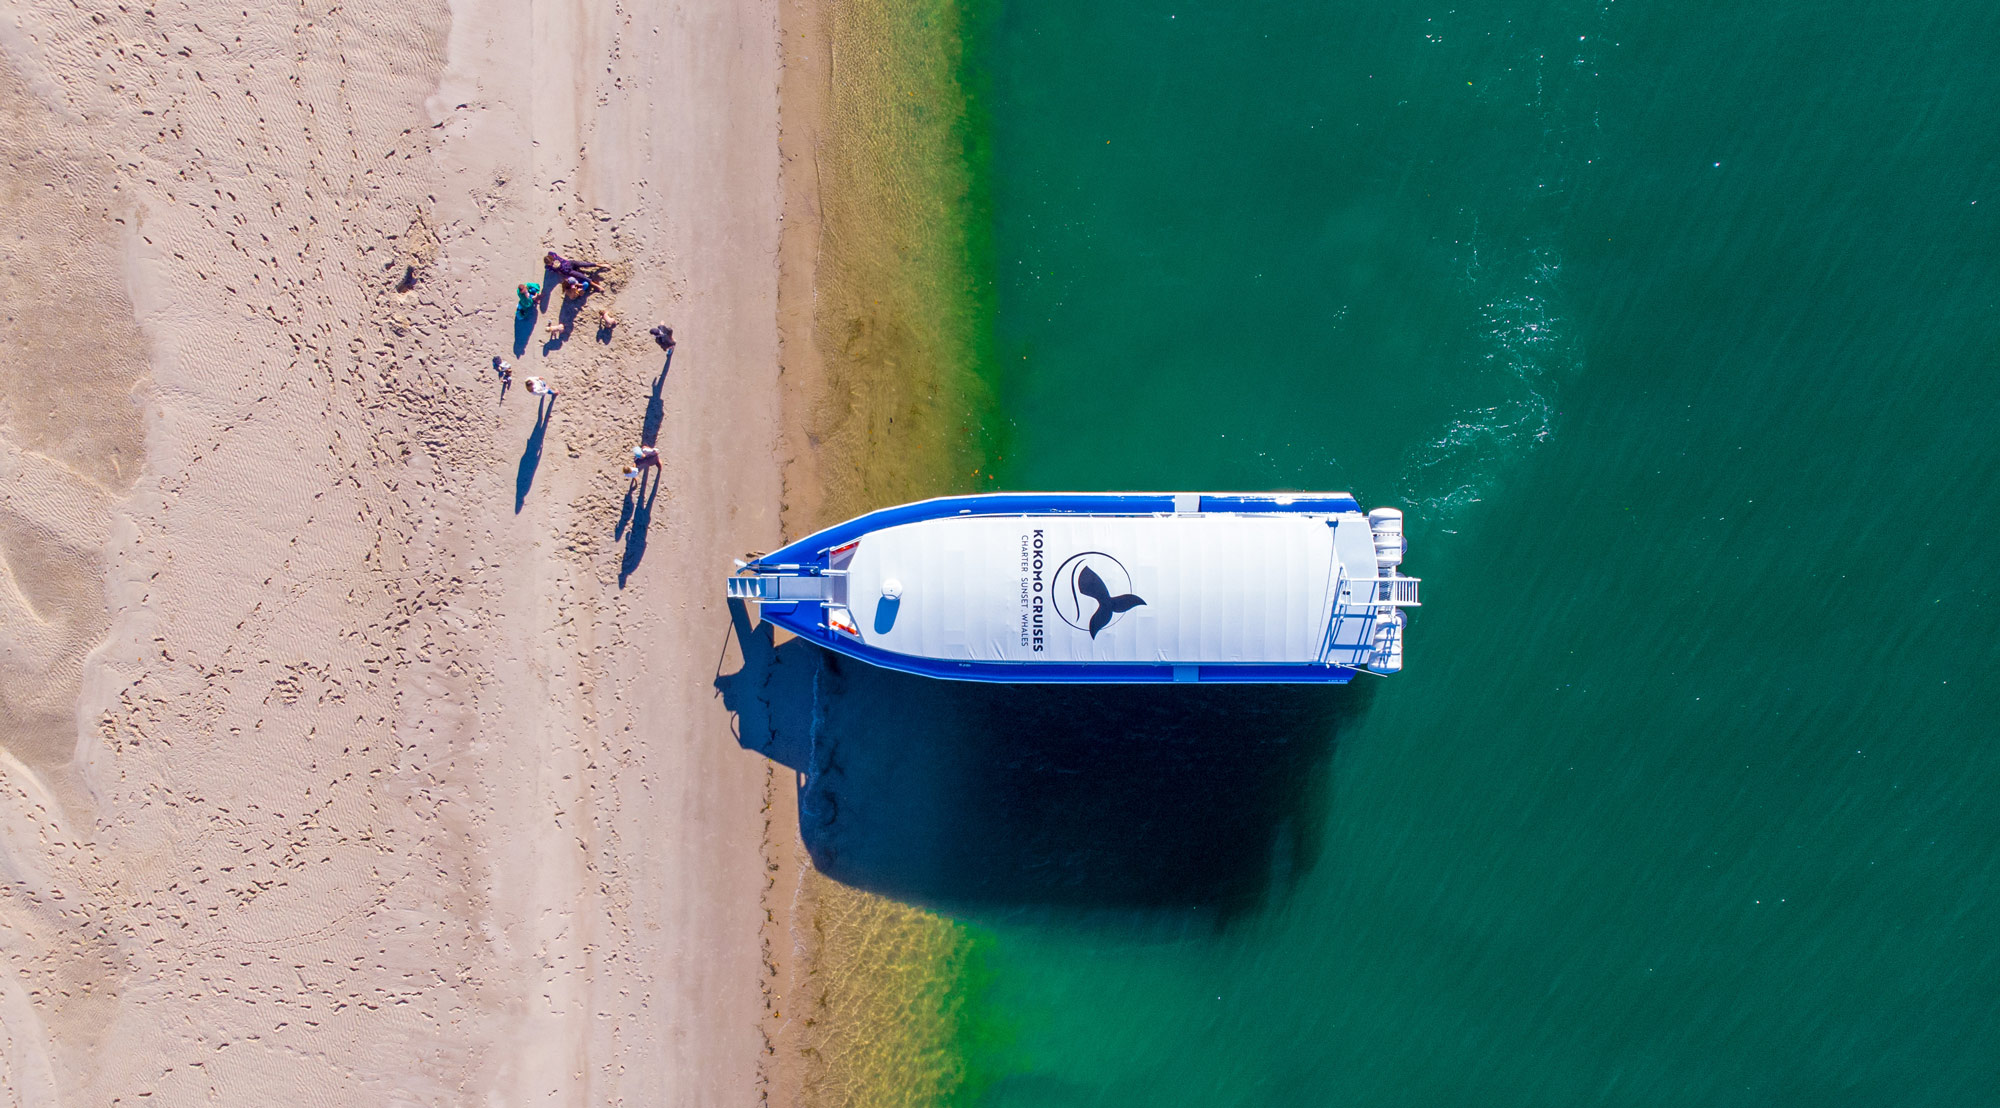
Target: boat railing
pixel 1386 592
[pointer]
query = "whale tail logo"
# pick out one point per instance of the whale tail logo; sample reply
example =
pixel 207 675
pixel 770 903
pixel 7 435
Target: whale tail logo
pixel 1108 606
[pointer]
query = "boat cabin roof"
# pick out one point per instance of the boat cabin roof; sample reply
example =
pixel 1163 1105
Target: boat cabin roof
pixel 1211 587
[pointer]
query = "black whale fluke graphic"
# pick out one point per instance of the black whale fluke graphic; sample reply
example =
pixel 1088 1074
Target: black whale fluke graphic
pixel 1091 585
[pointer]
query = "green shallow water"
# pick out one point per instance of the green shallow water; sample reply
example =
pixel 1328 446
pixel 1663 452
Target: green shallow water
pixel 1678 333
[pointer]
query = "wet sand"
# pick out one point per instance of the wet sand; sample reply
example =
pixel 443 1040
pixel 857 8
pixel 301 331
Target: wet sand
pixel 886 401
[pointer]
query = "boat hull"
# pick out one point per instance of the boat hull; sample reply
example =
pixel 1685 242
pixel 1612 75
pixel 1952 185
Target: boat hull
pixel 804 588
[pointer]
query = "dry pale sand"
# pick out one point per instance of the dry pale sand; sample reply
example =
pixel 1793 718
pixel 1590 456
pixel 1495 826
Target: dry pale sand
pixel 329 776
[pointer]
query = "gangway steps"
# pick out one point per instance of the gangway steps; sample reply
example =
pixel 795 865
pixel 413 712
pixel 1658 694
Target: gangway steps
pixel 749 588
pixel 781 587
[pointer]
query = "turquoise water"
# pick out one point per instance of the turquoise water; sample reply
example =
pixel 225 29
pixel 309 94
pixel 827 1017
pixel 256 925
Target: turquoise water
pixel 1678 332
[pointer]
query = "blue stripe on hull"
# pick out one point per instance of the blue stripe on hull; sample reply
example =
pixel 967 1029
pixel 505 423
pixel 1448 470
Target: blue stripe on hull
pixel 808 549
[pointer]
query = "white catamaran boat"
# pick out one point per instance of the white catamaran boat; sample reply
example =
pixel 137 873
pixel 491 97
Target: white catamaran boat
pixel 1107 588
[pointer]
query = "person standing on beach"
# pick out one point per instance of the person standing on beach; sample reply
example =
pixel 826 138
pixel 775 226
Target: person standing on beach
pixel 527 294
pixel 644 456
pixel 664 335
pixel 538 387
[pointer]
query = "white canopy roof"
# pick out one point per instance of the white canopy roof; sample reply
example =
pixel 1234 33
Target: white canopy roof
pixel 1192 588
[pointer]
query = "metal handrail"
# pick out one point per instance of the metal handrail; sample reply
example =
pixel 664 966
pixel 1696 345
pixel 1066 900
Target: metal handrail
pixel 1401 591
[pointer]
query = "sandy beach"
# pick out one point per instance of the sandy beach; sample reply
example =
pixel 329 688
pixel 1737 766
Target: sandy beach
pixel 361 743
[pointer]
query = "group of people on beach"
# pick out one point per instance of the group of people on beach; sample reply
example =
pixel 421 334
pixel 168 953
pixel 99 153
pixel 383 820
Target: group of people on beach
pixel 578 280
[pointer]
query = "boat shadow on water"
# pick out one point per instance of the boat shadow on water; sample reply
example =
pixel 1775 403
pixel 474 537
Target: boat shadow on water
pixel 991 799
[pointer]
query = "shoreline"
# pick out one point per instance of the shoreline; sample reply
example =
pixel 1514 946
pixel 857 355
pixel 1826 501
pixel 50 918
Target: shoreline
pixel 882 343
pixel 789 901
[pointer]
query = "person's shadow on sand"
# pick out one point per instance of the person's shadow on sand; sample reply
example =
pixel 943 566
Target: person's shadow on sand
pixel 642 519
pixel 625 511
pixel 524 329
pixel 656 406
pixel 636 514
pixel 531 455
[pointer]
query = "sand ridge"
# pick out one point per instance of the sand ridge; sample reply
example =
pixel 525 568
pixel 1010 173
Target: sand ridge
pixel 70 427
pixel 397 773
